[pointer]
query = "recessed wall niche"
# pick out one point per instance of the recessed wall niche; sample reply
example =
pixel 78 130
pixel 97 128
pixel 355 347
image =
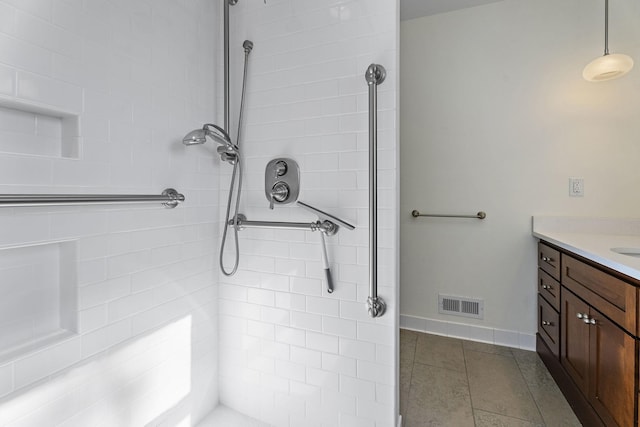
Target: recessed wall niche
pixel 32 130
pixel 38 296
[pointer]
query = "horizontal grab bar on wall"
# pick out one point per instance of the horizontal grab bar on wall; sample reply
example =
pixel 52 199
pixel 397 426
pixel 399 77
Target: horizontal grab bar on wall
pixel 479 215
pixel 169 198
pixel 326 226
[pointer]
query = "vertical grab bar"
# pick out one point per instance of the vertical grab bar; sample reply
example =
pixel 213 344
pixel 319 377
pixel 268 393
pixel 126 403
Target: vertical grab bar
pixel 374 76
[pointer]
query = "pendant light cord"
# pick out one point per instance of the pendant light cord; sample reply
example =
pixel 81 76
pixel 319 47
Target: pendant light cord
pixel 606 27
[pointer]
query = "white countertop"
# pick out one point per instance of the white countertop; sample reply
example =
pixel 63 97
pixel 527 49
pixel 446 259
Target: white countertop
pixel 593 238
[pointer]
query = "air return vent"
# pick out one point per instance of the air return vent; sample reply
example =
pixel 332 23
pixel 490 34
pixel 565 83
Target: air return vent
pixel 461 306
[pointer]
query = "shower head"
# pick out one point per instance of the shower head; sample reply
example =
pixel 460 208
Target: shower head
pixel 248 46
pixel 218 134
pixel 195 137
pixel 199 136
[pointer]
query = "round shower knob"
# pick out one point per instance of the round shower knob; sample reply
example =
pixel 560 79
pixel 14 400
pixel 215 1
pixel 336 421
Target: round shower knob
pixel 279 193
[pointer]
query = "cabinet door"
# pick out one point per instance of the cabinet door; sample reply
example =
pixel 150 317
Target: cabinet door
pixel 574 342
pixel 612 372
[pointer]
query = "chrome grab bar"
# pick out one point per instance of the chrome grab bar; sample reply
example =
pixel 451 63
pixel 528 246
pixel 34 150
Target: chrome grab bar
pixel 169 198
pixel 327 227
pixel 374 76
pixel 327 224
pixel 479 215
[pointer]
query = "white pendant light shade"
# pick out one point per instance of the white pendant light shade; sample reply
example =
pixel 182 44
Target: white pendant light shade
pixel 607 67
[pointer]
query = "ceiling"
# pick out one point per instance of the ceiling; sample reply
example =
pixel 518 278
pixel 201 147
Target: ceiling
pixel 411 9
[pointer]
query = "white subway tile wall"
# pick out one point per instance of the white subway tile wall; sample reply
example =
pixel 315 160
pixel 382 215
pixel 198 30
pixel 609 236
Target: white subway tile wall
pixel 38 290
pixel 141 348
pixel 290 353
pixel 140 74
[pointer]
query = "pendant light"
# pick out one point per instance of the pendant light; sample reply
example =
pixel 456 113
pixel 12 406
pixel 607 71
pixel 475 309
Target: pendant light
pixel 608 66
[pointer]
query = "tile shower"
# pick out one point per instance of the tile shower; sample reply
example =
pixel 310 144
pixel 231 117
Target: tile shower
pixel 138 326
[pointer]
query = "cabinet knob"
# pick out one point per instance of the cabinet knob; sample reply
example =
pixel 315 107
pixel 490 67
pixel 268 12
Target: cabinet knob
pixel 547 259
pixel 545 323
pixel 548 287
pixel 580 316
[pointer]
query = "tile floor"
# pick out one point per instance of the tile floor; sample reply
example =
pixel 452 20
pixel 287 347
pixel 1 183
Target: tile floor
pixel 226 417
pixel 452 382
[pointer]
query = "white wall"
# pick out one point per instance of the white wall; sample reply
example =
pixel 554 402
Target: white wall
pixel 291 354
pixel 496 117
pixel 139 75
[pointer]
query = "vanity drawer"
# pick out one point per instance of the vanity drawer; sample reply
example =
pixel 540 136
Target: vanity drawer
pixel 549 325
pixel 549 288
pixel 613 297
pixel 549 260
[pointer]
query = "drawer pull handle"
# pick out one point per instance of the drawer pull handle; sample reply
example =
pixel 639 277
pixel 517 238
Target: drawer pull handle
pixel 590 321
pixel 547 287
pixel 547 259
pixel 581 316
pixel 545 323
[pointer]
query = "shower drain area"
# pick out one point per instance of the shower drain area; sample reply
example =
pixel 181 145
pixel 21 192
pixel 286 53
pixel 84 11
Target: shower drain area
pixel 461 306
pixel 38 297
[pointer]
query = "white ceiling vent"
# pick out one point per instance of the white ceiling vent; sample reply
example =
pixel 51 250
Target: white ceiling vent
pixel 461 306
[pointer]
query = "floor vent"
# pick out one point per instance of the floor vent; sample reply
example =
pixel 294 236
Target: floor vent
pixel 461 306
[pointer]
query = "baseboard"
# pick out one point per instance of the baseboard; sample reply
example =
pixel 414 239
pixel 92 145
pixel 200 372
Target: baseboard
pixel 495 336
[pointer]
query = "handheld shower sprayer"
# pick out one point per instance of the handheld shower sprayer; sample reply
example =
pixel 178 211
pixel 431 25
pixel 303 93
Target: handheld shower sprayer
pixel 230 153
pixel 215 132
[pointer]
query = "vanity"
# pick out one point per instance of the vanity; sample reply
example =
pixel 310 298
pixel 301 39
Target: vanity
pixel 588 329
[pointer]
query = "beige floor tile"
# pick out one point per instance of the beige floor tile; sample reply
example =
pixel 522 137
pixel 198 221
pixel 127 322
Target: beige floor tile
pixel 497 386
pixel 486 348
pixel 440 351
pixel 533 370
pixel 409 336
pixel 552 405
pixel 408 347
pixel 435 385
pixel 488 419
pixel 404 401
pixel 438 397
pixel 406 369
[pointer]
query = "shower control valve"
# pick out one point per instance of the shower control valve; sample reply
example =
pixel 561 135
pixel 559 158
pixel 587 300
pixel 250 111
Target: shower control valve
pixel 279 193
pixel 281 181
pixel 280 168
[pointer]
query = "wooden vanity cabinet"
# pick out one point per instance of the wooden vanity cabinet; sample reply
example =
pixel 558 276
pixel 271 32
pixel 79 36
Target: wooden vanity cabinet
pixel 600 358
pixel 612 364
pixel 575 340
pixel 549 325
pixel 597 369
pixel 549 260
pixel 549 297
